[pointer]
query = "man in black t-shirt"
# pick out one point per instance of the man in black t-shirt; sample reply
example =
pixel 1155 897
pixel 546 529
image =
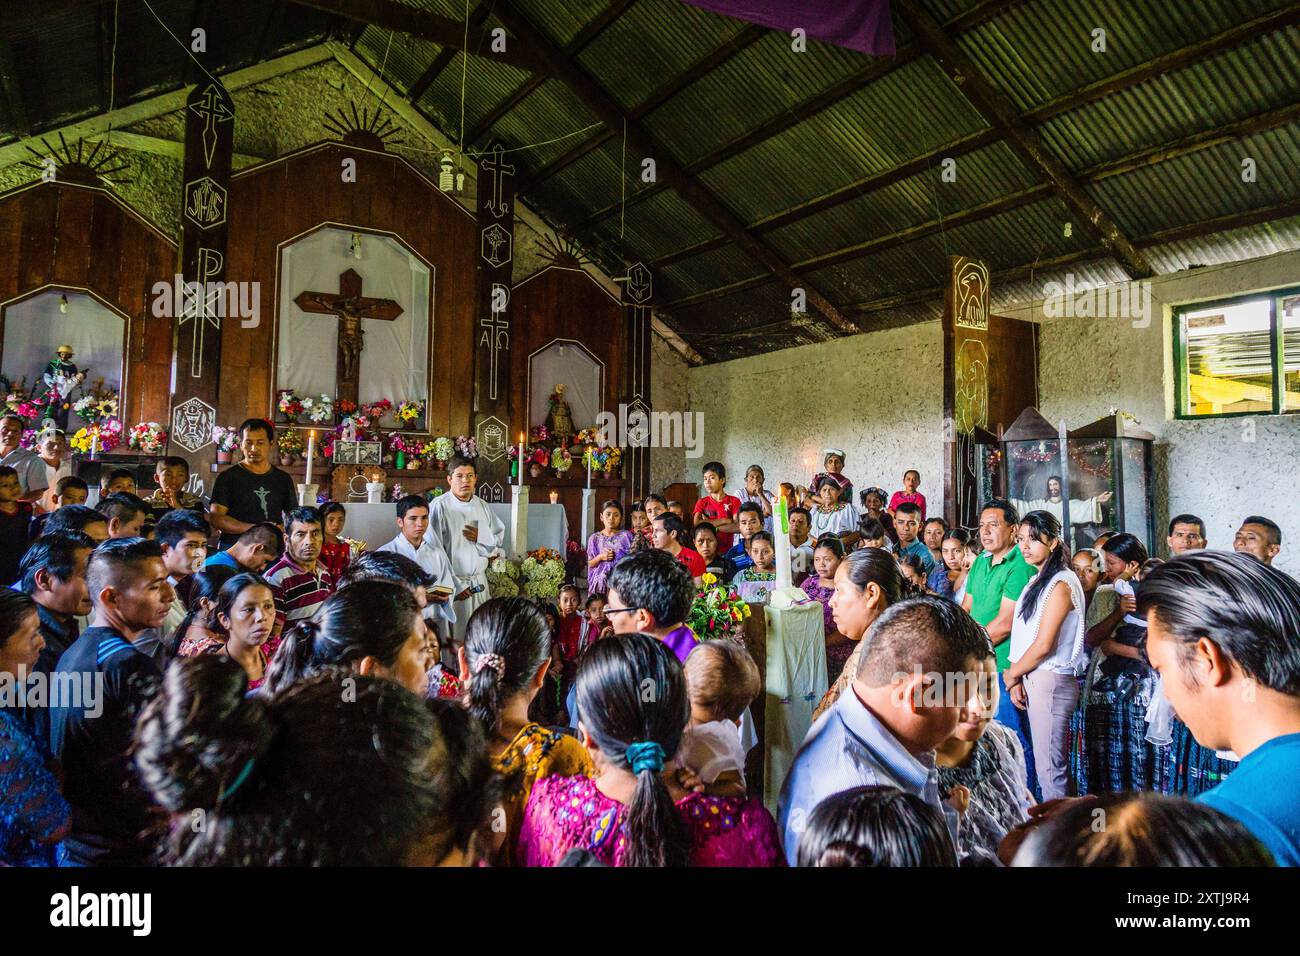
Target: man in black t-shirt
pixel 253 490
pixel 103 682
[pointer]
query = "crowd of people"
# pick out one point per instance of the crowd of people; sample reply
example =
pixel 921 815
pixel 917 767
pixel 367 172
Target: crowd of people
pixel 224 682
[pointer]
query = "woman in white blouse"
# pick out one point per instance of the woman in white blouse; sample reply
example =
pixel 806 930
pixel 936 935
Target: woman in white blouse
pixel 832 516
pixel 1047 649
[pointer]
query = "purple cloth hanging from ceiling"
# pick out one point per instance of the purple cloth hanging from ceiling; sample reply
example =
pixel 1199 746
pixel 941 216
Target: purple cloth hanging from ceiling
pixel 862 25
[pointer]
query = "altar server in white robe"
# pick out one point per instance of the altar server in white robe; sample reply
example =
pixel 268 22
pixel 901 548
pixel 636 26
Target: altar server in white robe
pixel 1082 510
pixel 412 542
pixel 470 534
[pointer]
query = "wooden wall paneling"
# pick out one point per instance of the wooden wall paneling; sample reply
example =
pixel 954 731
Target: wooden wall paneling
pixel 36 247
pixel 106 230
pixel 72 253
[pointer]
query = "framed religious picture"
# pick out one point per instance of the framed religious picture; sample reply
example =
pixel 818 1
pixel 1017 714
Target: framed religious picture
pixel 370 453
pixel 345 452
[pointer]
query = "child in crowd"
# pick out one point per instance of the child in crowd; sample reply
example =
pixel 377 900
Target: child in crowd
pixel 706 543
pixel 335 553
pixel 750 522
pixel 914 576
pixel 547 708
pixel 15 519
pixel 717 507
pixel 755 492
pixel 721 682
pixel 171 475
pixel 569 634
pixel 755 583
pixel 116 480
pixel 68 490
pixel 608 545
pixel 595 625
pixel 872 535
pixel 52 446
pixel 875 826
pixel 638 519
pixel 951 572
pixel 655 505
pixel 909 494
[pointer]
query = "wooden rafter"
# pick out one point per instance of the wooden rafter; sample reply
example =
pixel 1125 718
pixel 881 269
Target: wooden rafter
pixel 999 113
pixel 392 15
pixel 608 111
pixel 580 41
pixel 701 67
pixel 1140 159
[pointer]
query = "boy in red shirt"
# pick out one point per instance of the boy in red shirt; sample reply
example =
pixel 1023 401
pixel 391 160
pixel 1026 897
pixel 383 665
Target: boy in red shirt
pixel 717 507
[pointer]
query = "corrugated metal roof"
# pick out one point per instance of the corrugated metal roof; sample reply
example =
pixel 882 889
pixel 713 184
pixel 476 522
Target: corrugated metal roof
pixel 398 57
pixel 487 83
pixel 657 226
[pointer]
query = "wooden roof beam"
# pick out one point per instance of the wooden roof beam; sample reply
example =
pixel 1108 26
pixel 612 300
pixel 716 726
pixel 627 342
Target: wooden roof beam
pixel 609 112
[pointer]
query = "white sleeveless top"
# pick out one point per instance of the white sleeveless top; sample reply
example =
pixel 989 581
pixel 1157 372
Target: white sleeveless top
pixel 1068 656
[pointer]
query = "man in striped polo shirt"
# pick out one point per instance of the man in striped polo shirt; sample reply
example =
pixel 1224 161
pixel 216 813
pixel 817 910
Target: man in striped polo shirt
pixel 299 582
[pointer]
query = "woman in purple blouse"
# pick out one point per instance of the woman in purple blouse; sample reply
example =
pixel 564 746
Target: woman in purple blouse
pixel 819 586
pixel 606 547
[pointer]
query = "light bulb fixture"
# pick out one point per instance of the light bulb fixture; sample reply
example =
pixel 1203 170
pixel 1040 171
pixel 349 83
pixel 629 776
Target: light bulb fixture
pixel 446 172
pixel 63 304
pixel 460 180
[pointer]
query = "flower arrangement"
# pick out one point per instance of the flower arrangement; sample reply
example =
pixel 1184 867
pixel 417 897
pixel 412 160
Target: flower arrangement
pixel 290 405
pixel 543 573
pixel 443 448
pixel 374 411
pixel 346 406
pixel 717 611
pixel 466 446
pixel 561 460
pixel 398 443
pixel 100 404
pixel 319 410
pixel 148 437
pixel 503 578
pixel 29 439
pixel 588 436
pixel 226 439
pixel 290 442
pixel 409 412
pixel 539 435
pixel 435 493
pixel 109 433
pixel 602 459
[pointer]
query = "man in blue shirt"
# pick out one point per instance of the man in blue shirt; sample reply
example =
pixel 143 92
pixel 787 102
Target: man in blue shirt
pixel 259 546
pixel 1223 630
pixel 920 663
pixel 91 736
pixel 907 522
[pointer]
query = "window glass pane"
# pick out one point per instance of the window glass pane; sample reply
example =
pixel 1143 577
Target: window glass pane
pixel 1288 310
pixel 1229 358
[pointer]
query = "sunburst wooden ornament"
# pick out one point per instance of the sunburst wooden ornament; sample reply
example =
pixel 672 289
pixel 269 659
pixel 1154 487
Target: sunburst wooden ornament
pixel 96 165
pixel 563 251
pixel 364 129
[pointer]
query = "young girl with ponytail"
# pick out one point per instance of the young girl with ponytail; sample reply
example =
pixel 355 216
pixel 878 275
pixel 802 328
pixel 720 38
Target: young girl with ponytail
pixel 633 709
pixel 504 663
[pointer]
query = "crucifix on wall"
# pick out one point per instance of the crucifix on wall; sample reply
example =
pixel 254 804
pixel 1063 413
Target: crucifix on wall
pixel 350 306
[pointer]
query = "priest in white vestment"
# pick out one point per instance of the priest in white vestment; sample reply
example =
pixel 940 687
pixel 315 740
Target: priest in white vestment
pixel 412 542
pixel 1082 510
pixel 471 535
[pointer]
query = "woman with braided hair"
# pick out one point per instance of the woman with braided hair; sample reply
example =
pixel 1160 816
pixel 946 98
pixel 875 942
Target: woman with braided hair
pixel 504 663
pixel 632 811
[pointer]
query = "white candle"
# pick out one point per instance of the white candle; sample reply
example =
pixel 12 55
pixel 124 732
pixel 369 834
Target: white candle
pixel 588 466
pixel 94 444
pixel 311 451
pixel 555 497
pixel 521 459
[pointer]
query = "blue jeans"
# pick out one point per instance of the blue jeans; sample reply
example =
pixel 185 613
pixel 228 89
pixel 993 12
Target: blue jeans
pixel 1009 715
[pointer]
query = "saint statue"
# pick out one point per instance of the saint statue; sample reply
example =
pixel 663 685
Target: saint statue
pixel 61 376
pixel 1082 510
pixel 560 419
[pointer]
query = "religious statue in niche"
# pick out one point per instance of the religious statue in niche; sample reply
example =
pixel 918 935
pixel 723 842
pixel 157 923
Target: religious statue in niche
pixel 1082 510
pixel 560 418
pixel 61 376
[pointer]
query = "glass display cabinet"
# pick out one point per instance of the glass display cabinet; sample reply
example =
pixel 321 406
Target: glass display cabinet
pixel 1110 480
pixel 1034 467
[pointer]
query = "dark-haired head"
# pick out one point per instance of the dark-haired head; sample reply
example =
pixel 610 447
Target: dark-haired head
pixel 875 826
pixel 409 502
pixel 1224 633
pixel 674 528
pixel 1141 829
pixel 638 732
pixel 53 572
pixel 717 467
pixel 279 782
pixel 128 583
pixel 654 582
pixel 1042 546
pixel 20 636
pixel 204 588
pixel 260 545
pixel 77 518
pixel 1259 537
pixel 124 512
pixel 386 566
pixel 867 581
pixel 1124 554
pixel 256 426
pixel 871 530
pixel 371 627
pixel 506 653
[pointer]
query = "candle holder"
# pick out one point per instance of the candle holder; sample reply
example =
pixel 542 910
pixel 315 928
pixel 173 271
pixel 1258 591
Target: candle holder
pixel 307 495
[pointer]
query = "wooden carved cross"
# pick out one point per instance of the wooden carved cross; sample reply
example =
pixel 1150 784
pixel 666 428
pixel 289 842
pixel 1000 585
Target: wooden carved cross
pixel 350 306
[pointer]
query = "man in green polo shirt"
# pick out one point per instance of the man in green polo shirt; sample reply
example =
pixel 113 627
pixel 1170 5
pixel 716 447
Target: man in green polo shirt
pixel 994 584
